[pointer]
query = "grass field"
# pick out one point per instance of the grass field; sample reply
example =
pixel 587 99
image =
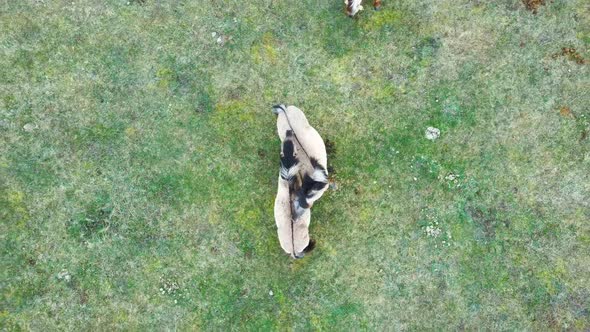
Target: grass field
pixel 139 160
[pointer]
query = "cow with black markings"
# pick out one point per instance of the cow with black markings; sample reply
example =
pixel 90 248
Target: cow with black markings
pixel 303 170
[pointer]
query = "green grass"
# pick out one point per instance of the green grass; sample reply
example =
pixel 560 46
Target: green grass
pixel 140 195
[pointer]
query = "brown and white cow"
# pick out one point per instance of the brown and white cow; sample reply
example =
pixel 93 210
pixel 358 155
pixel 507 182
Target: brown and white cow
pixel 352 7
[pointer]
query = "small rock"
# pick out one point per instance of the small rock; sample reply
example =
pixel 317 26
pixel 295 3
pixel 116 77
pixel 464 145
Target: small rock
pixel 271 293
pixel 222 39
pixel 432 133
pixel 29 127
pixel 213 34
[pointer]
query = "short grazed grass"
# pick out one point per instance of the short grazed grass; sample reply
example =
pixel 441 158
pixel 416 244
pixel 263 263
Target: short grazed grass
pixel 139 158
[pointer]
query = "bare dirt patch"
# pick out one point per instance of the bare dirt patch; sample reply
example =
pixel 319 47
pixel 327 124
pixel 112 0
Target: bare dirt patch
pixel 571 54
pixel 487 221
pixel 566 112
pixel 533 5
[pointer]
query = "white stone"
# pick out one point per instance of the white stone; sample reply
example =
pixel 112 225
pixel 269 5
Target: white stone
pixel 432 133
pixel 29 127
